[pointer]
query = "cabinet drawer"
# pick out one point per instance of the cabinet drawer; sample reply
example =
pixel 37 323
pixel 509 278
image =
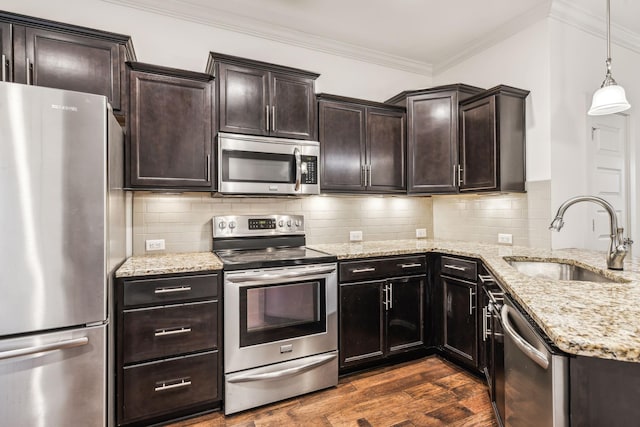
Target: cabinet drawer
pixel 382 268
pixel 458 267
pixel 153 333
pixel 169 385
pixel 170 289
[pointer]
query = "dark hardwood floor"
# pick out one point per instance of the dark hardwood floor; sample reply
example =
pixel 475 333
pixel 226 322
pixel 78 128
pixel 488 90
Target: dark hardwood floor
pixel 425 392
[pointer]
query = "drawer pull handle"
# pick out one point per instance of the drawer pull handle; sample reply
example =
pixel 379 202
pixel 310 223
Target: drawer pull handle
pixel 414 265
pixel 363 270
pixel 486 278
pixel 172 331
pixel 173 384
pixel 160 291
pixel 455 267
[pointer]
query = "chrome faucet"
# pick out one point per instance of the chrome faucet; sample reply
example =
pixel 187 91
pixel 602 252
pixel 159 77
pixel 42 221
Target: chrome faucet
pixel 619 244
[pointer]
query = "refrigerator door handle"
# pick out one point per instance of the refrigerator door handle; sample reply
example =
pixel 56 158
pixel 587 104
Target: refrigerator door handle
pixel 60 345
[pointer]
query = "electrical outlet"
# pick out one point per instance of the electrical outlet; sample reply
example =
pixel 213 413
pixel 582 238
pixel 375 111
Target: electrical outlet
pixel 421 233
pixel 154 245
pixel 355 236
pixel 506 239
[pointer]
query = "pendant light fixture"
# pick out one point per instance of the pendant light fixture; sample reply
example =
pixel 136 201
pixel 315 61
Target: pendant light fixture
pixel 610 98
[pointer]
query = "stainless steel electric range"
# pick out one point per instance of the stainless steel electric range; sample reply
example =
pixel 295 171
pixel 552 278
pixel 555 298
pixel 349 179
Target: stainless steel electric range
pixel 280 310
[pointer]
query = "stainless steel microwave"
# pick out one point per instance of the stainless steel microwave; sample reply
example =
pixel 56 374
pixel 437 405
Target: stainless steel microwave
pixel 262 165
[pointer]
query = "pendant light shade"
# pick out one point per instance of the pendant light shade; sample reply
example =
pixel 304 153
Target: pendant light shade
pixel 610 98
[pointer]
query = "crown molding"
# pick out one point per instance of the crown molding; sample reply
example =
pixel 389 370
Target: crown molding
pixel 496 36
pixel 187 11
pixel 568 12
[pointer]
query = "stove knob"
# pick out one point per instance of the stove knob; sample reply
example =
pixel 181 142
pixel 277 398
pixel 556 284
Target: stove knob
pixel 222 225
pixel 232 224
pixel 289 223
pixel 298 223
pixel 281 223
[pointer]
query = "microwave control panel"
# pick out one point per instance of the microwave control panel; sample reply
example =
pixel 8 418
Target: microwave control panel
pixel 309 169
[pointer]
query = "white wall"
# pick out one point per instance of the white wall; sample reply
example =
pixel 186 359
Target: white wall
pixel 167 41
pixel 577 61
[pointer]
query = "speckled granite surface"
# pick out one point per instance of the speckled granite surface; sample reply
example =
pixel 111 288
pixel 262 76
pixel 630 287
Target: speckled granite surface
pixel 584 318
pixel 146 265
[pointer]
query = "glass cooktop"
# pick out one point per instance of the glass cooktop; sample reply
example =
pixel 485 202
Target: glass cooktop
pixel 234 259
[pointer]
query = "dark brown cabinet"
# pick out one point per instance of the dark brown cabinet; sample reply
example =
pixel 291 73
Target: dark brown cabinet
pixel 492 141
pixel 460 314
pixel 258 98
pixel 6 52
pixel 432 136
pixel 168 339
pixel 51 54
pixel 362 146
pixel 382 304
pixel 169 129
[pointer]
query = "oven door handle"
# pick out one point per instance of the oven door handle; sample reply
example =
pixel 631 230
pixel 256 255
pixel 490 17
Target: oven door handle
pixel 284 373
pixel 530 351
pixel 265 278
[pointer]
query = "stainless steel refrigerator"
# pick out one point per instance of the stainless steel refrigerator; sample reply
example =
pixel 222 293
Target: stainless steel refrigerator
pixel 62 222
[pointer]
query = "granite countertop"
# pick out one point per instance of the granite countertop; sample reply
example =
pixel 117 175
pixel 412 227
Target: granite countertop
pixel 583 318
pixel 147 265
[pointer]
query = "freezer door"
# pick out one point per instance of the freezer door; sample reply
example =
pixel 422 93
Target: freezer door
pixel 53 197
pixel 55 379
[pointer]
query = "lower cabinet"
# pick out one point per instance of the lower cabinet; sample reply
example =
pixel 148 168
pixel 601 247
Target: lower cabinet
pixel 382 304
pixel 460 314
pixel 168 336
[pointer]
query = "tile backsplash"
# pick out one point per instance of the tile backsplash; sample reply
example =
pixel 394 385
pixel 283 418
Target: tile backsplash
pixel 480 218
pixel 184 220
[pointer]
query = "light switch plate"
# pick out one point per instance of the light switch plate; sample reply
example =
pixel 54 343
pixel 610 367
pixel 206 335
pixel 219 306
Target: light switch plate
pixel 154 245
pixel 506 239
pixel 421 233
pixel 355 236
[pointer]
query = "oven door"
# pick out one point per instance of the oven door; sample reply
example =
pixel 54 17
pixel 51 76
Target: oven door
pixel 279 314
pixel 259 165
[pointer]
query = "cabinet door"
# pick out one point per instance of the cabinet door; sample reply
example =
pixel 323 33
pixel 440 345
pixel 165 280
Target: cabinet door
pixel 6 73
pixel 386 150
pixel 361 323
pixel 342 147
pixel 170 132
pixel 293 111
pixel 405 321
pixel 432 143
pixel 460 327
pixel 478 149
pixel 243 97
pixel 74 62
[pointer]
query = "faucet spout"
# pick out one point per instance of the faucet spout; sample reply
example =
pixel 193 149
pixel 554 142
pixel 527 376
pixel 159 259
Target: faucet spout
pixel 618 246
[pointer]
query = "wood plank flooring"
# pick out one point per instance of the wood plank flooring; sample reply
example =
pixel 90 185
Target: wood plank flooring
pixel 424 392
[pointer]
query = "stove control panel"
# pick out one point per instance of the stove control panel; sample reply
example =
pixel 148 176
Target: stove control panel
pixel 257 225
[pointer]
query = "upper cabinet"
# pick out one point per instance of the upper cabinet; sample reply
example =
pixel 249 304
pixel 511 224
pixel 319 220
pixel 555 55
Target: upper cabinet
pixel 169 129
pixel 46 53
pixel 362 146
pixel 432 136
pixel 492 141
pixel 258 98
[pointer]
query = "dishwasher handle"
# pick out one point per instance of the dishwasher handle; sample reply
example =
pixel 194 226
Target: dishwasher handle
pixel 532 353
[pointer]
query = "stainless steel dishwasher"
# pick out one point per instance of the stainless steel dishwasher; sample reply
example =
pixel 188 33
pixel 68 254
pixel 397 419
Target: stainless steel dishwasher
pixel 536 376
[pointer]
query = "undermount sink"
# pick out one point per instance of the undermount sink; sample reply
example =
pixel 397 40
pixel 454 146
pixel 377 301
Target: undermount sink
pixel 560 271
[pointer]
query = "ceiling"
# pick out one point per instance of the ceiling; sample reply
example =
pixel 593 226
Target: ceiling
pixel 415 35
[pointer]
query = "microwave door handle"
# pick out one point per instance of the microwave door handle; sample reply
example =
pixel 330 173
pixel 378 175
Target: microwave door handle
pixel 296 153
